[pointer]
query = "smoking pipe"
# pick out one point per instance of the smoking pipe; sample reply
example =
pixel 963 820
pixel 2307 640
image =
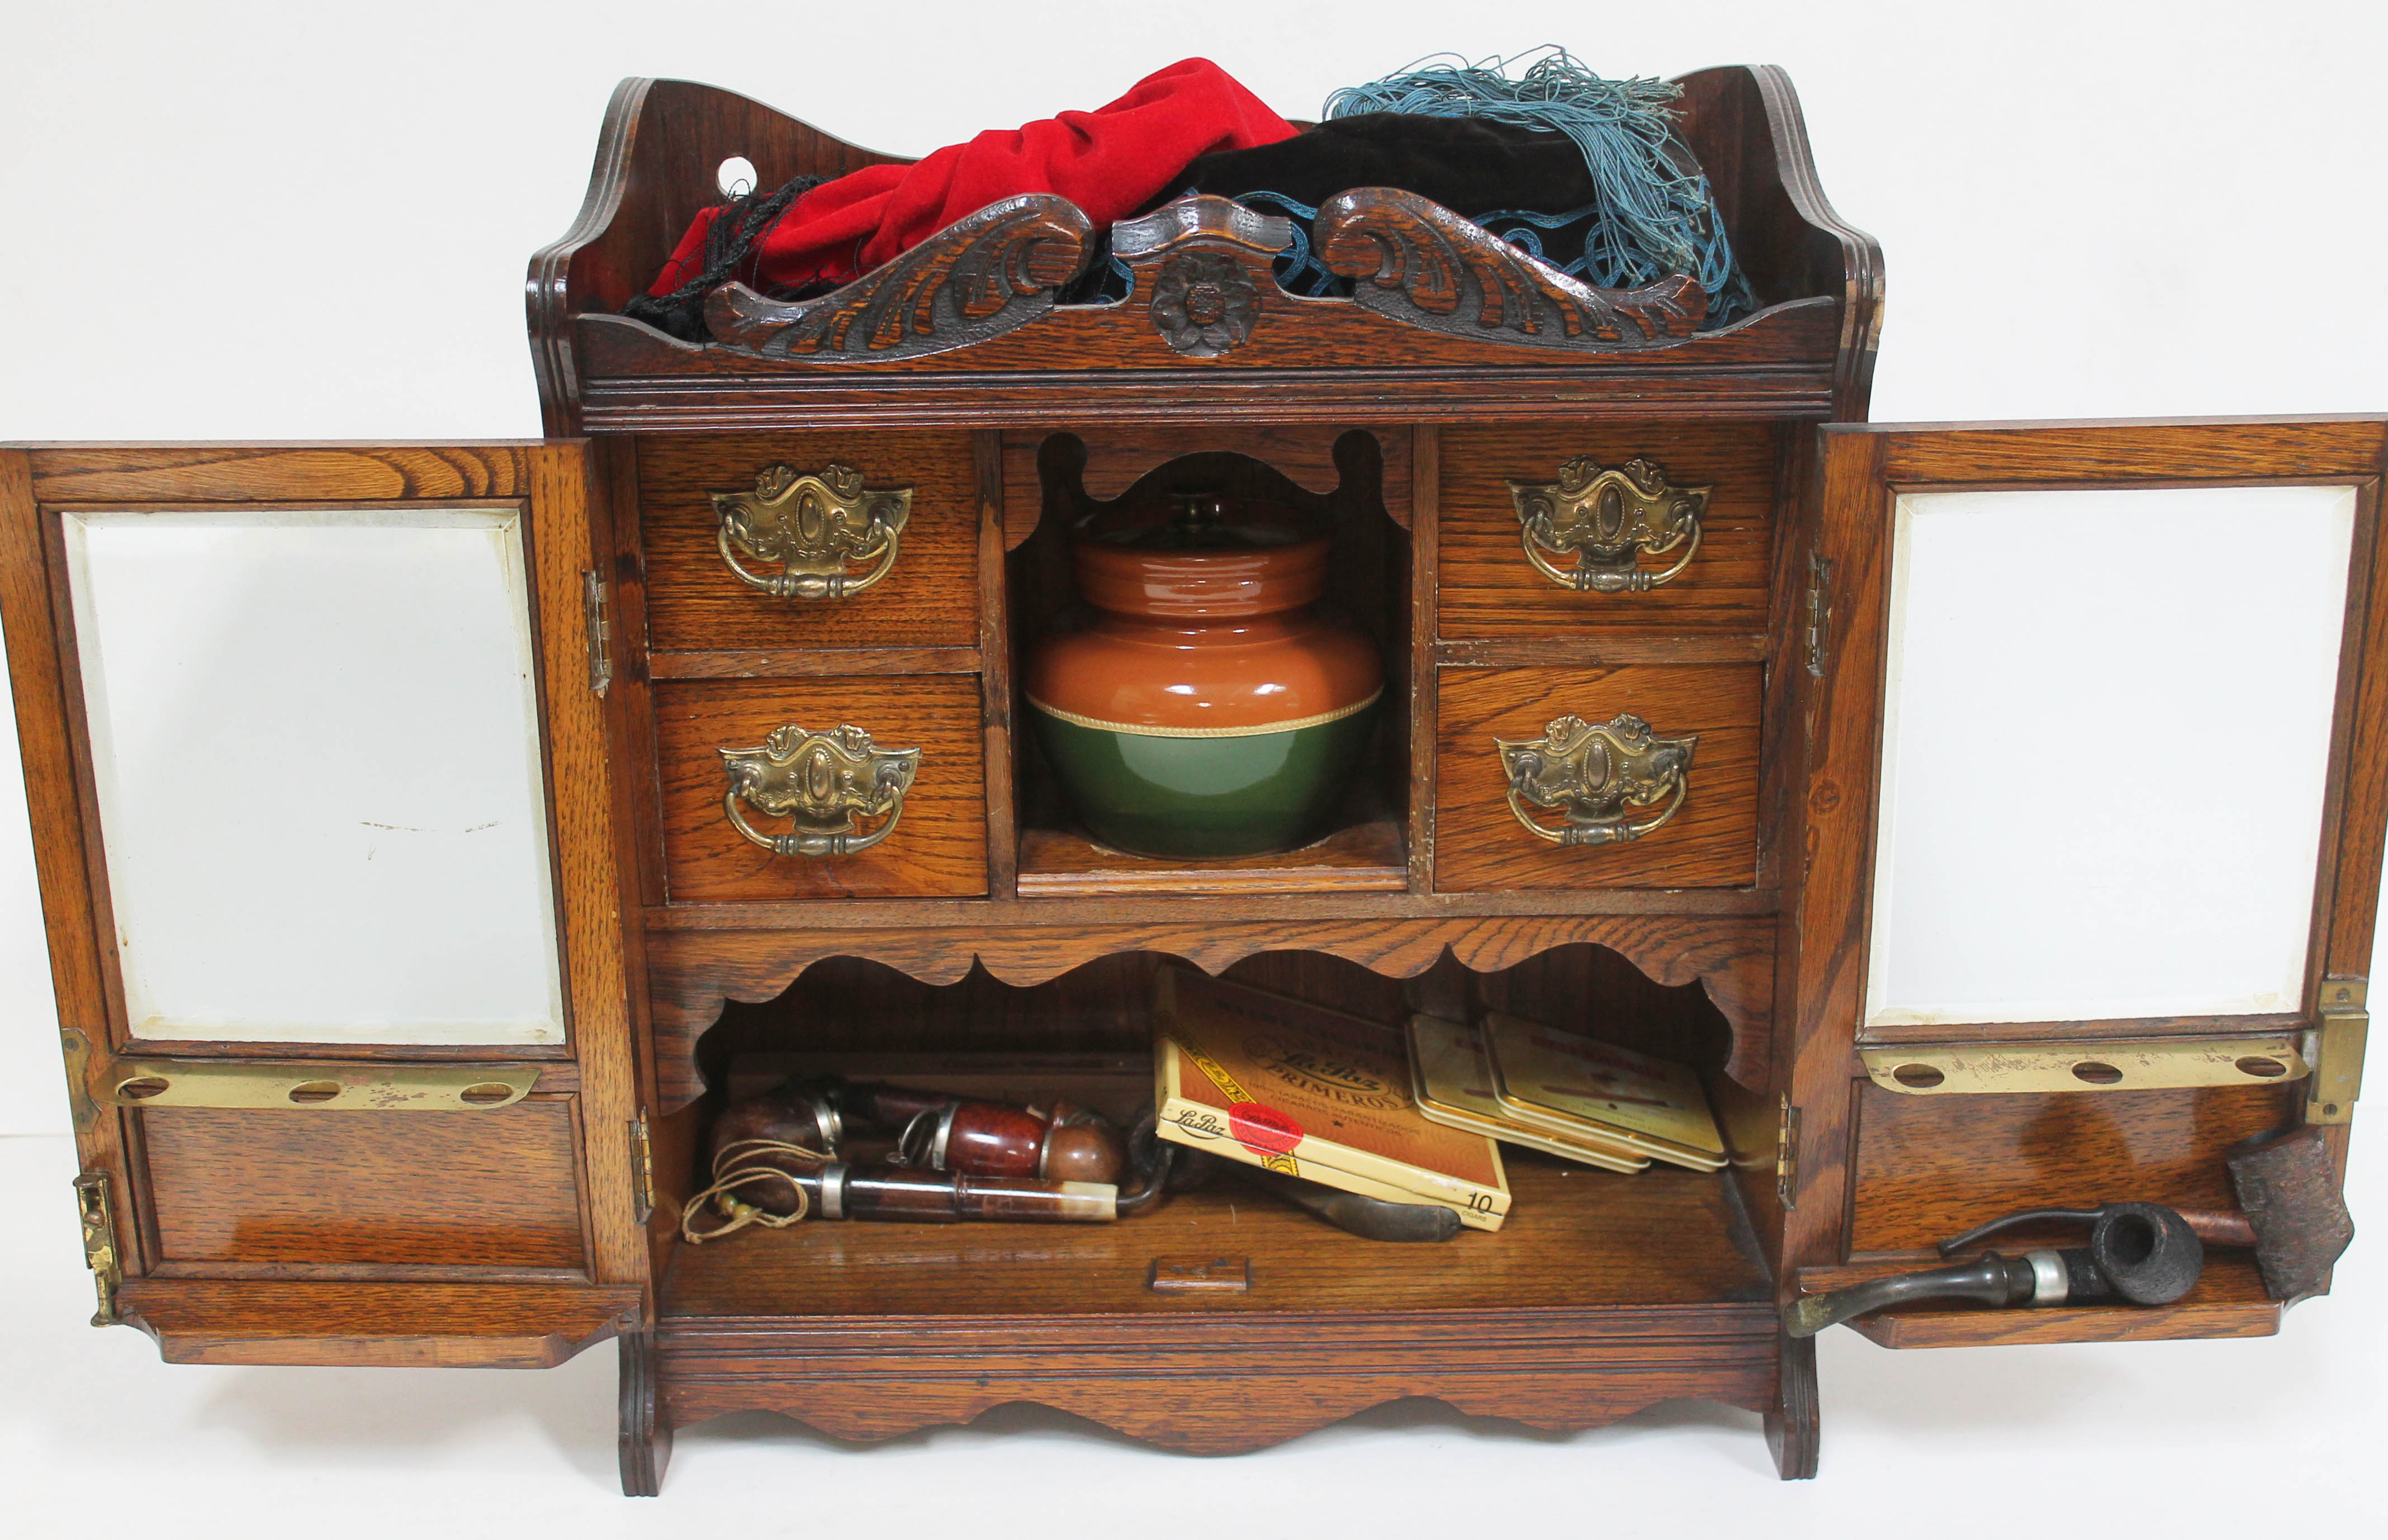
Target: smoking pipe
pixel 772 1131
pixel 841 1192
pixel 1369 1219
pixel 877 1105
pixel 984 1139
pixel 2290 1213
pixel 2144 1253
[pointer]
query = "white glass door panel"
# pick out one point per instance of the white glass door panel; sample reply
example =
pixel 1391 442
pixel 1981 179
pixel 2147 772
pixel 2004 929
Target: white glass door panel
pixel 315 744
pixel 2105 742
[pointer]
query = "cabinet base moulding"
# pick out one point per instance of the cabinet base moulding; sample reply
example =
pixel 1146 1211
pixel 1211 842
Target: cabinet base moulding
pixel 1211 1387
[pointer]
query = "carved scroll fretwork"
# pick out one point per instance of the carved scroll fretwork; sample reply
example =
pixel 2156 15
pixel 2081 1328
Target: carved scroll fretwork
pixel 693 972
pixel 978 277
pixel 1416 261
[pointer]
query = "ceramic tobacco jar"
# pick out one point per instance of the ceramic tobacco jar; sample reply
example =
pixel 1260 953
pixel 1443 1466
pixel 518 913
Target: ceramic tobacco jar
pixel 1206 709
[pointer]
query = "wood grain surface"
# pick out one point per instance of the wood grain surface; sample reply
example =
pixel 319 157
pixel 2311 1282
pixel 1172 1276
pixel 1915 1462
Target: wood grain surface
pixel 695 604
pixel 1358 857
pixel 376 1325
pixel 938 849
pixel 574 491
pixel 658 155
pixel 1711 842
pixel 1722 381
pixel 1218 1384
pixel 279 473
pixel 1575 1238
pixel 492 1189
pixel 43 682
pixel 1488 588
pixel 1928 1167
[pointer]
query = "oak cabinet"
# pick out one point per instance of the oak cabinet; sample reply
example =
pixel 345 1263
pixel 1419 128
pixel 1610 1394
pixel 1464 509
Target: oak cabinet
pixel 1703 729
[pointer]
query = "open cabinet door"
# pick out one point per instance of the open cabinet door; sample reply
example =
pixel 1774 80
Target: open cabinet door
pixel 2095 811
pixel 325 829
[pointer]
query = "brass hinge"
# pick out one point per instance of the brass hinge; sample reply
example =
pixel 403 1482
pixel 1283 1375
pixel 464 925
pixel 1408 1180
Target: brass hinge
pixel 100 1252
pixel 77 1052
pixel 1820 610
pixel 2337 1078
pixel 600 631
pixel 642 1169
pixel 1786 1155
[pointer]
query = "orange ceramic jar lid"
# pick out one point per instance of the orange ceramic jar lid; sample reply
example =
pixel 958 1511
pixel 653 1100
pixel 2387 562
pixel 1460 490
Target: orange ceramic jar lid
pixel 1219 583
pixel 1216 642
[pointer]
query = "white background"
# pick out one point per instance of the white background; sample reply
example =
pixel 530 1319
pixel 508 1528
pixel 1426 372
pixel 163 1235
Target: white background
pixel 282 221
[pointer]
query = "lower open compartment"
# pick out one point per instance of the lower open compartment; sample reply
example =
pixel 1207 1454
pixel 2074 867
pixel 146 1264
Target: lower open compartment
pixel 1225 1316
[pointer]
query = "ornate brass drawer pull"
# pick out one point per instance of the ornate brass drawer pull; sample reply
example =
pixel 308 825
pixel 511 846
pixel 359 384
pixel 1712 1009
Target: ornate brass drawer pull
pixel 823 781
pixel 1608 520
pixel 1605 779
pixel 814 526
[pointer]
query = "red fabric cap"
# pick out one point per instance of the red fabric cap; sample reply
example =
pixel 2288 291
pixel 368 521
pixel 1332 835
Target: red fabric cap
pixel 1109 162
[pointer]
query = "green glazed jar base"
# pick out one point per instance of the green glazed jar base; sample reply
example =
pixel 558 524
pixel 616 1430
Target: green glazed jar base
pixel 1204 797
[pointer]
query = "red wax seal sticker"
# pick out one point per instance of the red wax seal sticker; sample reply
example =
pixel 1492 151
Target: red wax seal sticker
pixel 1263 1129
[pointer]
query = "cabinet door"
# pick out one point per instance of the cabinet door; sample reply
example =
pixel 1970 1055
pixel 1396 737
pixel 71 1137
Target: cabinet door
pixel 2094 823
pixel 324 821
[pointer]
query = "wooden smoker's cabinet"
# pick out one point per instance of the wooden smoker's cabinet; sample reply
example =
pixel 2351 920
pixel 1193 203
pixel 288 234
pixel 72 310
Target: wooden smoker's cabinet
pixel 336 1199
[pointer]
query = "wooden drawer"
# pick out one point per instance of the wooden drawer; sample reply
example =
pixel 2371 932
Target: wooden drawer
pixel 241 1191
pixel 694 603
pixel 1487 588
pixel 938 847
pixel 1711 840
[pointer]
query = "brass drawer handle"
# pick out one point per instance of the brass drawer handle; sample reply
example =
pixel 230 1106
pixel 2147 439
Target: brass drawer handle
pixel 823 781
pixel 1605 779
pixel 1608 520
pixel 814 526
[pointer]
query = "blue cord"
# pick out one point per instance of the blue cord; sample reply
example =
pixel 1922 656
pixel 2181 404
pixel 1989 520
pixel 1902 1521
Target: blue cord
pixel 1654 217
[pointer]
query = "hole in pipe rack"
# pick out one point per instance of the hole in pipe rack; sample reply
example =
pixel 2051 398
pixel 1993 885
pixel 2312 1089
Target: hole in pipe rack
pixel 2261 1067
pixel 143 1088
pixel 314 1091
pixel 2091 1072
pixel 1922 1077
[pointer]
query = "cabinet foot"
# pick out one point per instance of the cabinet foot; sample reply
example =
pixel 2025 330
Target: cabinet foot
pixel 1791 1427
pixel 646 1442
